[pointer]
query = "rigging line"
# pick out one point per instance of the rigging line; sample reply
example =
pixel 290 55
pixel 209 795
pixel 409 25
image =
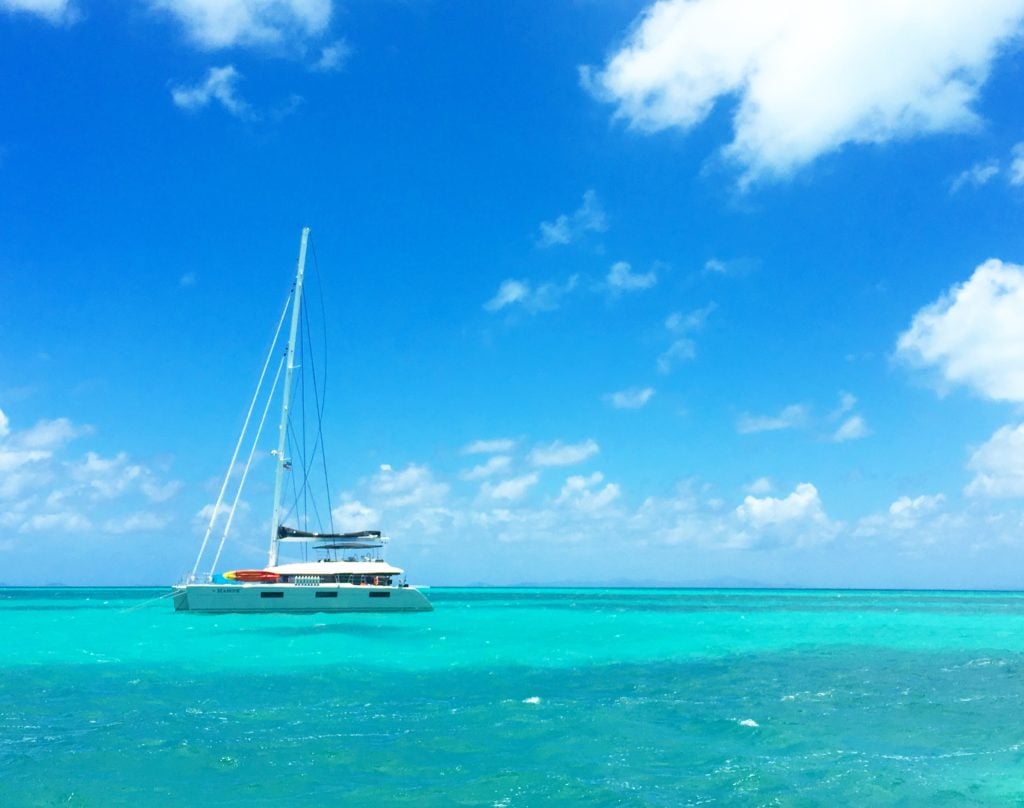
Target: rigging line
pixel 145 603
pixel 321 402
pixel 302 493
pixel 318 443
pixel 241 438
pixel 302 398
pixel 248 463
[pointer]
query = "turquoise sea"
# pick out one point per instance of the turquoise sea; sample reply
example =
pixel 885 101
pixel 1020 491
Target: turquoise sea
pixel 517 697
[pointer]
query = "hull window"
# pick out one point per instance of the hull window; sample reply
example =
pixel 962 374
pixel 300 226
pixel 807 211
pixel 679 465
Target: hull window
pixel 380 594
pixel 271 594
pixel 327 594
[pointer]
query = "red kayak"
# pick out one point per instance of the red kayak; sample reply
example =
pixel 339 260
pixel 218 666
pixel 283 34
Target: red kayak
pixel 252 576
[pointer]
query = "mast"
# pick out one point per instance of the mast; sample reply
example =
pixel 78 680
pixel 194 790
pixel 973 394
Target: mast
pixel 286 401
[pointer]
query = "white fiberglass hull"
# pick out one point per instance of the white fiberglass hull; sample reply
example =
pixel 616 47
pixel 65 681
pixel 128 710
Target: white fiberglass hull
pixel 298 598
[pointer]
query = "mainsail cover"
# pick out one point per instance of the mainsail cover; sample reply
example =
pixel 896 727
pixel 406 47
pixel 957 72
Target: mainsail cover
pixel 285 533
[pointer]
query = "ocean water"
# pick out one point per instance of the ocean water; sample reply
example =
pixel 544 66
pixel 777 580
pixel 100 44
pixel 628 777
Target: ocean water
pixel 517 697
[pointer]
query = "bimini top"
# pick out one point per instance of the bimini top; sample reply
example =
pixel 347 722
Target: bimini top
pixel 359 540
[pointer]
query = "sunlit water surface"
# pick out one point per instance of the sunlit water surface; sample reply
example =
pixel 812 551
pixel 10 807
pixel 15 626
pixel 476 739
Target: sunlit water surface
pixel 517 697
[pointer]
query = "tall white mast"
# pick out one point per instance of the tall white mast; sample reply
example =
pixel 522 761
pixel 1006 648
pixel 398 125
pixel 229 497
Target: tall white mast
pixel 286 400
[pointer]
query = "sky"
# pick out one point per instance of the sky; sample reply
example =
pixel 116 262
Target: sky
pixel 698 292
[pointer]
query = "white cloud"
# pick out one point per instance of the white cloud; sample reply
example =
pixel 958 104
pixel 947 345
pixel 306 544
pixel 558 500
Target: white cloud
pixel 920 516
pixel 683 348
pixel 511 489
pixel 680 350
pixel 5 425
pixel 110 477
pixel 333 57
pixel 847 401
pixel 760 486
pixel 56 11
pixel 974 334
pixel 139 522
pixel 975 176
pixel 51 434
pixel 905 513
pixel 493 466
pixel 852 428
pixel 354 515
pixel 213 24
pixel 563 454
pixel 808 76
pixel 1017 165
pixel 801 513
pixel 511 291
pixel 64 522
pixel 545 297
pixel 413 485
pixel 621 278
pixel 791 417
pixel 491 446
pixel 679 323
pixel 578 492
pixel 631 399
pixel 220 86
pixel 998 465
pixel 588 217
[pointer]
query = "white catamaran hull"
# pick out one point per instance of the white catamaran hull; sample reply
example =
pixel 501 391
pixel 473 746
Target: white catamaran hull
pixel 302 598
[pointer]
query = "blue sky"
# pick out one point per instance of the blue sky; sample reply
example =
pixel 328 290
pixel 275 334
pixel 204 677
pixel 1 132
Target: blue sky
pixel 715 291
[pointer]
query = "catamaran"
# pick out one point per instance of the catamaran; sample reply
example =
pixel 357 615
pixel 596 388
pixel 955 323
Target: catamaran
pixel 348 575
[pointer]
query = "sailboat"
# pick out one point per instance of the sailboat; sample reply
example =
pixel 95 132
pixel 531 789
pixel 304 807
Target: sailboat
pixel 349 573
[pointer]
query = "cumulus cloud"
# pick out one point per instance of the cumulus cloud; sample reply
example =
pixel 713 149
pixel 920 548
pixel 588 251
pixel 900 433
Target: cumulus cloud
pixel 494 465
pixel 1017 165
pixel 511 489
pixel 908 514
pixel 589 217
pixel 489 446
pixel 683 348
pixel 353 515
pixel 42 489
pixel 977 175
pixel 56 11
pixel 583 493
pixel 631 399
pixel 679 351
pixel 847 401
pixel 521 293
pixel 791 417
pixel 219 86
pixel 808 77
pixel 762 485
pixel 974 334
pixel 138 522
pixel 51 434
pixel 853 428
pixel 413 485
pixel 213 24
pixel 333 57
pixel 621 278
pixel 110 477
pixel 998 465
pixel 563 454
pixel 801 513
